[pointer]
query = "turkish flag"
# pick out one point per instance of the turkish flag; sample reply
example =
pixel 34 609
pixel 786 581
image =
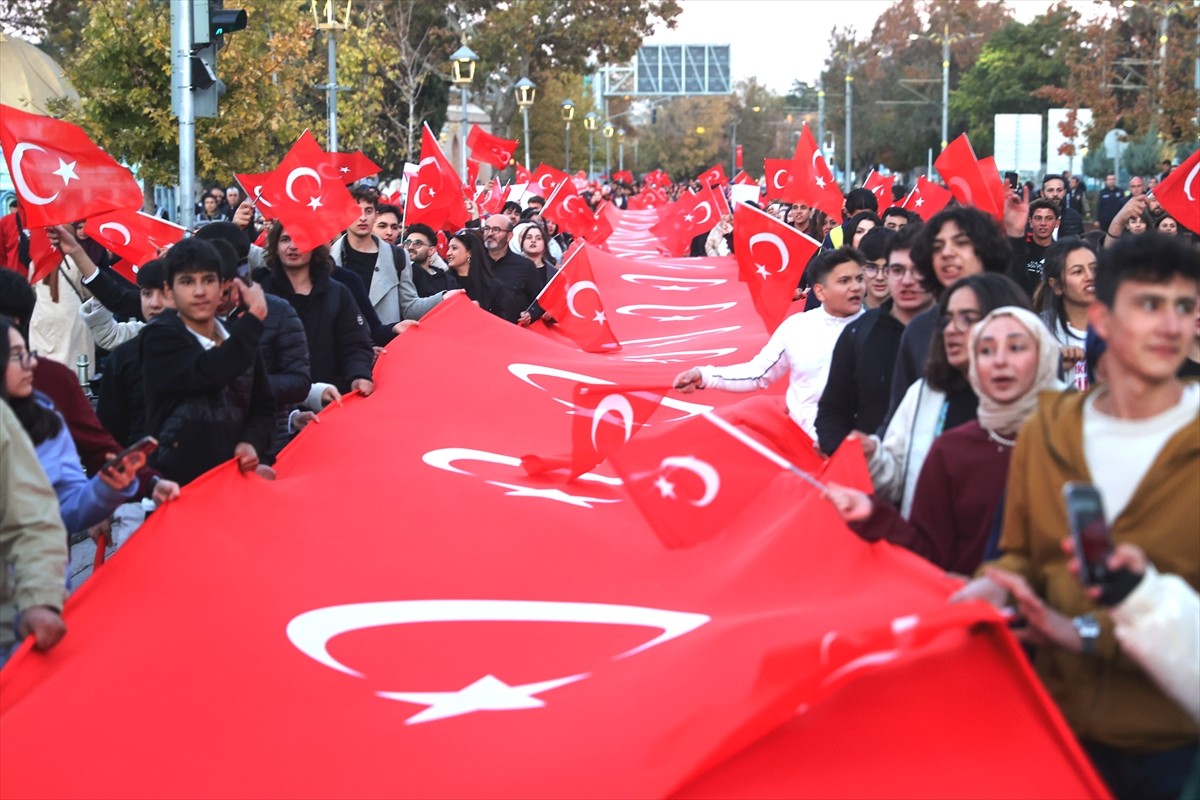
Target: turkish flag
pixel 657 178
pixel 492 199
pixel 44 257
pixel 134 236
pixel 771 258
pixel 1179 193
pixel 523 175
pixel 848 467
pixel 991 174
pixel 961 171
pixel 59 174
pixel 545 179
pixel 349 167
pixel 685 219
pixel 692 480
pixel 742 178
pixel 605 417
pixel 649 198
pixel 881 187
pixel 927 198
pixel 812 181
pixel 737 157
pixel 472 174
pixel 713 176
pixel 252 184
pixel 779 174
pixel 435 194
pixel 565 207
pixel 573 300
pixel 490 149
pixel 624 176
pixel 314 210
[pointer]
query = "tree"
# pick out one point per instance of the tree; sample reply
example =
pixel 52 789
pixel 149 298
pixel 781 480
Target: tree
pixel 122 70
pixel 692 134
pixel 542 38
pixel 1017 72
pixel 56 25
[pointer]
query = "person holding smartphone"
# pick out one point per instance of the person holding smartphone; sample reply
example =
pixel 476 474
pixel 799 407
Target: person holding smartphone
pixel 1136 437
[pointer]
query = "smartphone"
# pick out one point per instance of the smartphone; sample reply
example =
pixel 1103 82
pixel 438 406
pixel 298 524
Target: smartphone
pixel 1014 180
pixel 1089 531
pixel 145 445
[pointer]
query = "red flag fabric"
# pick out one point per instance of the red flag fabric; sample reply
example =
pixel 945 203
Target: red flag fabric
pixel 546 179
pixel 492 198
pixel 565 207
pixel 59 174
pixel 134 236
pixel 688 217
pixel 44 257
pixel 743 178
pixel 490 149
pixel 472 174
pixel 778 172
pixel 961 171
pixel 926 198
pixel 657 178
pixel 811 179
pixel 881 187
pixel 523 175
pixel 349 167
pixel 252 184
pixel 848 467
pixel 1179 193
pixel 548 640
pixel 435 194
pixel 771 258
pixel 692 480
pixel 573 300
pixel 713 176
pixel 624 176
pixel 991 173
pixel 322 209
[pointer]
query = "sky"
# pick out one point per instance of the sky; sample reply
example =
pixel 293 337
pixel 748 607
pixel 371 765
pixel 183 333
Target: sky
pixel 781 41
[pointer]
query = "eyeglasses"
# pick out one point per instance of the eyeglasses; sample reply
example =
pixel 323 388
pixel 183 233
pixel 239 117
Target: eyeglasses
pixel 961 320
pixel 899 271
pixel 414 243
pixel 871 269
pixel 491 229
pixel 24 357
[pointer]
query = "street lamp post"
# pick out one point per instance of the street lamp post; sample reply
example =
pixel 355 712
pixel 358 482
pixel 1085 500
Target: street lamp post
pixel 608 130
pixel 590 121
pixel 849 122
pixel 621 149
pixel 525 90
pixel 462 72
pixel 945 38
pixel 568 114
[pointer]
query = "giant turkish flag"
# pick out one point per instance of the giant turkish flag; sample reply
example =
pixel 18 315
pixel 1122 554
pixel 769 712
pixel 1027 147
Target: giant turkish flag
pixel 405 612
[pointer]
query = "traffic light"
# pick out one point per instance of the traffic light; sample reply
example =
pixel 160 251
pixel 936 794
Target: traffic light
pixel 210 22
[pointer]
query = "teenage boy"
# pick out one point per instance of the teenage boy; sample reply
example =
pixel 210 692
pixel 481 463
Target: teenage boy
pixel 207 395
pixel 802 345
pixel 1136 438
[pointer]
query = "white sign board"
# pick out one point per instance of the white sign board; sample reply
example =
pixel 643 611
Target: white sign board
pixel 1056 161
pixel 1019 142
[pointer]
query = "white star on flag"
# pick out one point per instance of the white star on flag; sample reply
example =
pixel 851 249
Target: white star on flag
pixel 315 203
pixel 665 487
pixel 762 272
pixel 600 318
pixel 66 172
pixel 689 218
pixel 489 693
pixel 820 182
pixel 343 169
pixel 920 201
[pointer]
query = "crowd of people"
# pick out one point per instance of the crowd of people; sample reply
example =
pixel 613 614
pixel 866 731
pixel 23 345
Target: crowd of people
pixel 979 365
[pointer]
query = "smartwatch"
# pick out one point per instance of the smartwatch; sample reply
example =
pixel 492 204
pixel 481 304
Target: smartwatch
pixel 1088 629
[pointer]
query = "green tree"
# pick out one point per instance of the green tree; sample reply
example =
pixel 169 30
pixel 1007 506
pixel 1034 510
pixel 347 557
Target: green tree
pixel 122 70
pixel 1016 73
pixel 691 135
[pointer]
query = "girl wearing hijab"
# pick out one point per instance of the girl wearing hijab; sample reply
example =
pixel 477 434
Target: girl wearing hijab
pixel 959 495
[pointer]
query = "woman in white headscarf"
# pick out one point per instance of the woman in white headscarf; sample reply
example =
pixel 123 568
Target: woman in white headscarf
pixel 960 492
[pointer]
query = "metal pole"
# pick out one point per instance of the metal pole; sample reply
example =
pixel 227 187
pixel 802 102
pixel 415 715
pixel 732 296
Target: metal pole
pixel 525 114
pixel 591 154
pixel 1162 68
pixel 187 119
pixel 821 118
pixel 946 88
pixel 567 140
pixel 608 157
pixel 621 156
pixel 733 150
pixel 331 88
pixel 462 134
pixel 849 120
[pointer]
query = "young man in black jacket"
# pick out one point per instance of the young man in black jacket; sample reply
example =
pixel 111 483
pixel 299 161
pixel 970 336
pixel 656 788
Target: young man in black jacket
pixel 207 396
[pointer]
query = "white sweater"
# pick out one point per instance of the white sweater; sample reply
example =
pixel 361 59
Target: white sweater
pixel 801 347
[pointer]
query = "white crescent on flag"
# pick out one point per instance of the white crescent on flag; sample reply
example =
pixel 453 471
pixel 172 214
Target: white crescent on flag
pixel 618 404
pixel 1187 182
pixel 300 172
pixel 575 289
pixel 18 176
pixel 702 469
pixel 708 212
pixel 968 197
pixel 772 239
pixel 118 227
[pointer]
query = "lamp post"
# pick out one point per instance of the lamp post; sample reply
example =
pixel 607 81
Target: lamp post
pixel 590 121
pixel 525 90
pixel 621 149
pixel 462 72
pixel 608 130
pixel 331 27
pixel 849 122
pixel 568 114
pixel 945 38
